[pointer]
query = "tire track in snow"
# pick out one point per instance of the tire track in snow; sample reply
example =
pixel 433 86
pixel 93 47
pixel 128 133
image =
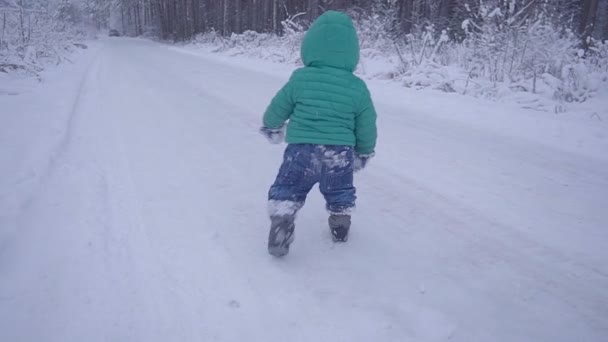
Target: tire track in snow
pixel 215 155
pixel 55 155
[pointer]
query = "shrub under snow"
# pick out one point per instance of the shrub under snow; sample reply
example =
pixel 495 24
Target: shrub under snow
pixel 534 62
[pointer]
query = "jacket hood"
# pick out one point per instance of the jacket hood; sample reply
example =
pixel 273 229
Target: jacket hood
pixel 331 41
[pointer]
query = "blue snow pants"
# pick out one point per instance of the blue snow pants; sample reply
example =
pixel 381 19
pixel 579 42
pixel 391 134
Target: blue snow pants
pixel 303 166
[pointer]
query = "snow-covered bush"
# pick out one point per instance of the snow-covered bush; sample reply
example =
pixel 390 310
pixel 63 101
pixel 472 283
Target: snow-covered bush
pixel 500 51
pixel 283 49
pixel 35 34
pixel 503 52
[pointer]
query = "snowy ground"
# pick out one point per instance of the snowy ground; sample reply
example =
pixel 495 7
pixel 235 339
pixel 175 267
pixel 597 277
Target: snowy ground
pixel 132 208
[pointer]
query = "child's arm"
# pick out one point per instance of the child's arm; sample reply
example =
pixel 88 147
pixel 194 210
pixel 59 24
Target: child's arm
pixel 365 126
pixel 280 107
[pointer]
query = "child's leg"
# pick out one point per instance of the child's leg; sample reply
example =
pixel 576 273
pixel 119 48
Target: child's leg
pixel 293 183
pixel 337 186
pixel 287 195
pixel 336 182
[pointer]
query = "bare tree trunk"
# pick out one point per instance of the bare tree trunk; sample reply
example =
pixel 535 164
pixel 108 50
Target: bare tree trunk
pixel 21 23
pixel 275 12
pixel 174 21
pixel 238 24
pixel 405 15
pixel 29 28
pixel 3 30
pixel 184 26
pixel 138 27
pixel 162 16
pixel 225 27
pixel 313 9
pixel 605 33
pixel 254 15
pixel 584 17
pixel 264 15
pixel 588 16
pixel 196 17
pixel 145 10
pixel 601 21
pixel 122 18
pixel 141 8
pixel 205 9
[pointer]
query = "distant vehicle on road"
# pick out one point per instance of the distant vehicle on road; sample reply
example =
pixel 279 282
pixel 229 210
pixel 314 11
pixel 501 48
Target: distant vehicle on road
pixel 114 33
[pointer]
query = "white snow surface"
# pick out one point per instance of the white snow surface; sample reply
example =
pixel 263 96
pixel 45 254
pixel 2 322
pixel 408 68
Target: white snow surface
pixel 133 208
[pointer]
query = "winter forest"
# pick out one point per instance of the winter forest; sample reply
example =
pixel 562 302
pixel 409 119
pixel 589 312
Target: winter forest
pixel 483 48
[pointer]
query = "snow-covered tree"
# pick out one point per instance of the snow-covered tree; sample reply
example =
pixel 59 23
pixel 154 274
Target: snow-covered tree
pixel 37 32
pixel 97 12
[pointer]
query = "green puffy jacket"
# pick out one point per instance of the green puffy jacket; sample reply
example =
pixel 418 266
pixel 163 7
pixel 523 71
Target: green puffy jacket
pixel 324 102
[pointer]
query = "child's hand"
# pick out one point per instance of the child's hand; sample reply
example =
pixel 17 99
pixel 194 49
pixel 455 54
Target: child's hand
pixel 361 161
pixel 274 135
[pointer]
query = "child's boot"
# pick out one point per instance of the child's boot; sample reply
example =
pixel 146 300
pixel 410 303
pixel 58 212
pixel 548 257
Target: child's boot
pixel 339 226
pixel 281 235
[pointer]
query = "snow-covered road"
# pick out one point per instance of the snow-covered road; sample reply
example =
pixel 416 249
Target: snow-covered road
pixel 132 208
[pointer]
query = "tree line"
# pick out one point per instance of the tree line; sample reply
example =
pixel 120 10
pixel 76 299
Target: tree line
pixel 182 19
